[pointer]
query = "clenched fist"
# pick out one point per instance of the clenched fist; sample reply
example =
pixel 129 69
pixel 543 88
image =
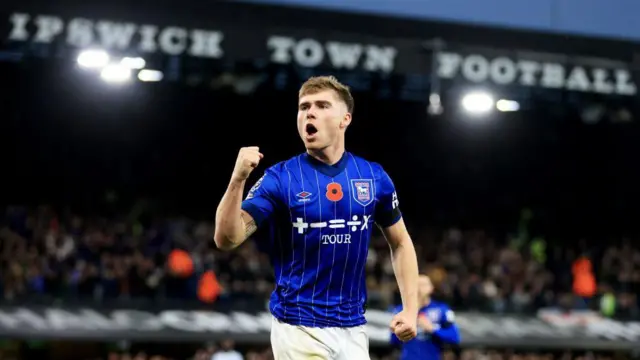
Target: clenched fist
pixel 248 159
pixel 404 326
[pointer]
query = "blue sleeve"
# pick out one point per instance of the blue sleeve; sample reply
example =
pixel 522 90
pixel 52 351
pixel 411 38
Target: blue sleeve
pixel 264 197
pixel 387 210
pixel 450 335
pixel 448 332
pixel 394 339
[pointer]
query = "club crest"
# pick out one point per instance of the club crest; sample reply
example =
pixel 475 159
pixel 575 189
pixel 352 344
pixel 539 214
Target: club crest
pixel 362 190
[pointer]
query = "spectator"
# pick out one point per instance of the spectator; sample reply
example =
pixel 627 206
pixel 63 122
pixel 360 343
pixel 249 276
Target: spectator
pixel 47 256
pixel 584 282
pixel 227 352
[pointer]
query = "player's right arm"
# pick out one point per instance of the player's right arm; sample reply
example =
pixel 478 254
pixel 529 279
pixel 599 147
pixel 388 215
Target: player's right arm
pixel 233 224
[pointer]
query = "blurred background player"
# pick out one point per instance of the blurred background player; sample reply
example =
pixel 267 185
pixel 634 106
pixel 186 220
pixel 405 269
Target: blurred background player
pixel 436 327
pixel 323 204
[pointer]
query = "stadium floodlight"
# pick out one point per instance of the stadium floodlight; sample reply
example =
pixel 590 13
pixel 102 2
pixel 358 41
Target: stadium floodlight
pixel 136 63
pixel 507 105
pixel 116 73
pixel 93 59
pixel 478 102
pixel 150 75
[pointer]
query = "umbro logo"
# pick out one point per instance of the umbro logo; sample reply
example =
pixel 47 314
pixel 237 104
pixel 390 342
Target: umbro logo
pixel 303 196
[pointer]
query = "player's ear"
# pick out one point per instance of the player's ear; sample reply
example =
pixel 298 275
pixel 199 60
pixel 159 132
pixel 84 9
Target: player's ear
pixel 346 121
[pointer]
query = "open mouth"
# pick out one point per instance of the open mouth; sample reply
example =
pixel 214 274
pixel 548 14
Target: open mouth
pixel 311 130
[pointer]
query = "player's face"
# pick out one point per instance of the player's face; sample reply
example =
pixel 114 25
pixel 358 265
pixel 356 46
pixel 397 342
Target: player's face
pixel 425 287
pixel 322 119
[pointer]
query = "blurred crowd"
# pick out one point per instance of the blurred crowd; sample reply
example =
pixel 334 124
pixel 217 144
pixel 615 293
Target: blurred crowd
pixel 472 354
pixel 226 352
pixel 47 254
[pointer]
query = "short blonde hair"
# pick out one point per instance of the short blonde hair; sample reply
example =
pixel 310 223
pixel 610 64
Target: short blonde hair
pixel 317 84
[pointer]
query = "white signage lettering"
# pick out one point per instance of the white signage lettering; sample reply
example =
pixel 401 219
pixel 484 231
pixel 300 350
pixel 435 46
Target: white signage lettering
pixel 115 35
pixel 205 43
pixel 19 27
pixel 82 32
pixel 504 71
pixel 311 53
pixel 148 35
pixel 48 28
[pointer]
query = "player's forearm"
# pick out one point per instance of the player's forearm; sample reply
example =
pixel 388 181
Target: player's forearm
pixel 405 265
pixel 230 227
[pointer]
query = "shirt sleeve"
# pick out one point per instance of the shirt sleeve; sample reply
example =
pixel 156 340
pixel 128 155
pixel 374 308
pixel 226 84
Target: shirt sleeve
pixel 387 210
pixel 263 198
pixel 448 331
pixel 449 317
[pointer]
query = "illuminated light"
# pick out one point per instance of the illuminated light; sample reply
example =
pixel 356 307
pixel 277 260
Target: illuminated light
pixel 93 59
pixel 116 73
pixel 478 103
pixel 507 105
pixel 150 75
pixel 133 62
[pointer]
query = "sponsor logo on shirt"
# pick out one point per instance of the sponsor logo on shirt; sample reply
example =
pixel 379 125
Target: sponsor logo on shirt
pixel 304 196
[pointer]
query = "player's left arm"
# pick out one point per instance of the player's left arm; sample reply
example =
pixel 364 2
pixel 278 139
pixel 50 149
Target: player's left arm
pixel 448 332
pixel 405 263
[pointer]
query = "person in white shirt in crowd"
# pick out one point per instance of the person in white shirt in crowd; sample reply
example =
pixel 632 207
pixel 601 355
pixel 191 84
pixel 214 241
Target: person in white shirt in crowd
pixel 227 352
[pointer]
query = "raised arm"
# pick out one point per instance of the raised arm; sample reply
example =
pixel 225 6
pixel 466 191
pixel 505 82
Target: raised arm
pixel 233 225
pixel 237 220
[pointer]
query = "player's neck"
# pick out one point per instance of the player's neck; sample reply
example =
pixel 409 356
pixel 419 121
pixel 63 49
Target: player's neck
pixel 329 155
pixel 426 301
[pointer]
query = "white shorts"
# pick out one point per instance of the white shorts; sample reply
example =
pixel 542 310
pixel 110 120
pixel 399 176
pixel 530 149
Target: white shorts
pixel 293 342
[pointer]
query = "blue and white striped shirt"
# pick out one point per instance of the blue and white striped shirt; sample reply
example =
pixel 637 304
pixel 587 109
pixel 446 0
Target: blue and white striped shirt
pixel 320 219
